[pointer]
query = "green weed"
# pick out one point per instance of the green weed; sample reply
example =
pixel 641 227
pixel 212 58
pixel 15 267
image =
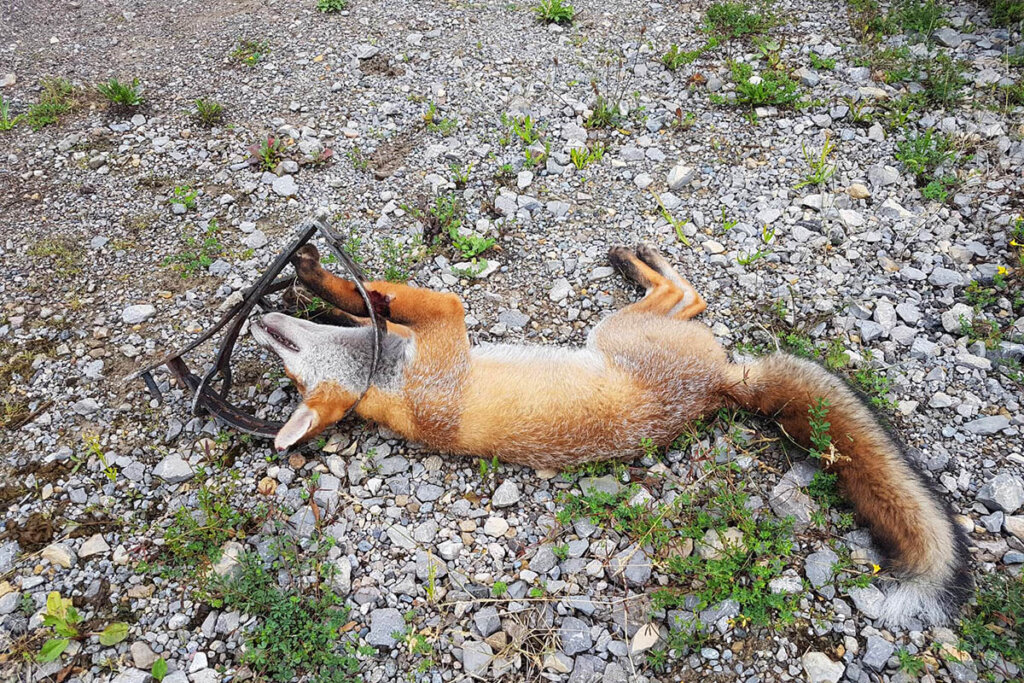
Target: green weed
pixel 6 122
pixel 675 58
pixel 554 12
pixel 55 100
pixel 910 664
pixel 201 249
pixel 208 112
pixel 605 114
pixel 1006 12
pixel 819 168
pixel 581 158
pixel 185 195
pixel 874 384
pixel 120 94
pixel 923 154
pixel 300 632
pixel 64 255
pixel 734 19
pixel 64 619
pixel 775 88
pixel 439 124
pixel 819 62
pixel 331 6
pixel 994 627
pixel 250 52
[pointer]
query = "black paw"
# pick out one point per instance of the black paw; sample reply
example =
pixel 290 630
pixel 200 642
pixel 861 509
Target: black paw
pixel 306 261
pixel 650 256
pixel 624 260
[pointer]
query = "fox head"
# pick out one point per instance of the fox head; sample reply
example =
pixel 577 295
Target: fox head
pixel 329 365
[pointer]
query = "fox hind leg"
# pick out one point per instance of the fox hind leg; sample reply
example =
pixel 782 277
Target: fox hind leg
pixel 668 293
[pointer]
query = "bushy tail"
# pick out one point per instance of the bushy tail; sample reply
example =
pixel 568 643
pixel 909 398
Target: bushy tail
pixel 909 522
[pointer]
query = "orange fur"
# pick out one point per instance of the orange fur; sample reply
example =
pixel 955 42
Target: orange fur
pixel 646 372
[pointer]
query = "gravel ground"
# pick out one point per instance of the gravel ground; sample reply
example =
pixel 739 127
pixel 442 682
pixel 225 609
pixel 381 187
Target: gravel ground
pixel 95 241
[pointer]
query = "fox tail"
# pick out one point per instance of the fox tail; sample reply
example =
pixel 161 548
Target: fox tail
pixel 925 548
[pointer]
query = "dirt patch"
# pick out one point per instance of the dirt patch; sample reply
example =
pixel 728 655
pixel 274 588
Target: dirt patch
pixel 46 473
pixel 380 65
pixel 10 493
pixel 391 155
pixel 88 527
pixel 35 534
pixel 97 602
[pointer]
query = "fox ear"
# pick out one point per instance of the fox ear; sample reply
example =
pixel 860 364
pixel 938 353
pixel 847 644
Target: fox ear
pixel 302 422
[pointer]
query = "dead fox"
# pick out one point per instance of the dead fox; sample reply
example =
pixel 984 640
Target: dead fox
pixel 646 371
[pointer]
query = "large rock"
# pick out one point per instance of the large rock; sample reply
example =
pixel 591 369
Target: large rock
pixel 868 600
pixel 788 498
pixel 59 554
pixel 383 623
pixel 993 424
pixel 487 620
pixel 956 317
pixel 878 652
pixel 95 545
pixel 575 636
pixel 680 176
pixel 285 186
pixel 820 669
pixel 633 564
pixel 142 655
pixel 606 484
pixel 818 567
pixel 544 560
pixel 506 495
pixel 173 470
pixel 229 564
pixel 133 315
pixel 1003 492
pixel 476 657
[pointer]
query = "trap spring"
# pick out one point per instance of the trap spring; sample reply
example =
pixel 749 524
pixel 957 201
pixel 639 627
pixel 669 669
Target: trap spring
pixel 213 401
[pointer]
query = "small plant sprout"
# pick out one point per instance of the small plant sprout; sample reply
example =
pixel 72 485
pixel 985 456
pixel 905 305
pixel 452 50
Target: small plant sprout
pixel 267 153
pixel 583 157
pixel 439 124
pixel 6 122
pixel 208 112
pixel 678 225
pixel 554 12
pixel 499 589
pixel 767 234
pixel 250 52
pixel 121 94
pixel 460 175
pixel 524 127
pixel 54 101
pixel 64 619
pixel 727 223
pixel 820 168
pixel 185 195
pixel 684 120
pixel 331 6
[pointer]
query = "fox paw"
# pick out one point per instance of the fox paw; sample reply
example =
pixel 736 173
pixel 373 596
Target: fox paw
pixel 624 260
pixel 306 262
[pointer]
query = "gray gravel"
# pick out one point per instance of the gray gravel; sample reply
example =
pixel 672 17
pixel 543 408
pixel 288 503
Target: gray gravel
pixel 91 230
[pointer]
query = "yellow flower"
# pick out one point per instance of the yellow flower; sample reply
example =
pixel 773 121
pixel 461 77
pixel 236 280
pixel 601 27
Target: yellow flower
pixel 1001 270
pixel 875 568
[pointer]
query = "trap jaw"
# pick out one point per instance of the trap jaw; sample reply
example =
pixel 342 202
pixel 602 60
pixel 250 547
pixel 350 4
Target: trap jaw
pixel 208 400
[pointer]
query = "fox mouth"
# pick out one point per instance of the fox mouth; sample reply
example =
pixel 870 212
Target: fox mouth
pixel 276 335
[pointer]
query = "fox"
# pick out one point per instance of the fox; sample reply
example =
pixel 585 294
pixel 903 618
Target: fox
pixel 647 371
